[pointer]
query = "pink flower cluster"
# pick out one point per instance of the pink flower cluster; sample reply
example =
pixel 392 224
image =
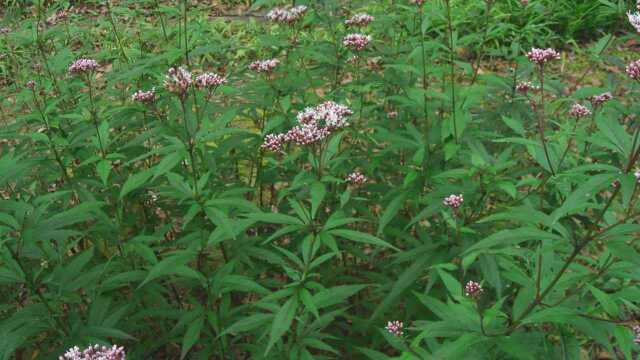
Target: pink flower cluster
pixel 598 100
pixel 453 201
pixel 473 289
pixel 274 142
pixel 361 19
pixel 356 178
pixel 392 114
pixel 82 66
pixel 178 81
pixel 636 334
pixel 634 20
pixel 264 66
pixel 307 134
pixel 31 84
pixel 579 111
pixel 287 16
pixel 5 30
pixel 395 328
pixel 314 125
pixel 57 16
pixel 332 114
pixel 524 2
pixel 637 175
pixel 525 86
pixel 145 97
pixel 95 352
pixel 542 56
pixel 418 2
pixel 633 70
pixel 210 80
pixel 356 42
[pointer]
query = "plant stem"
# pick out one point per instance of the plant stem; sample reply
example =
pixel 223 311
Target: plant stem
pixel 162 25
pixel 186 35
pixel 541 121
pixel 115 31
pixel 34 289
pixel 452 70
pixel 425 107
pixel 574 254
pixel 56 154
pixel 190 146
pixel 94 116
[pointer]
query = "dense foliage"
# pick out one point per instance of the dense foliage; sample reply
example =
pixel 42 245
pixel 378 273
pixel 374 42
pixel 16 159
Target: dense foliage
pixel 386 180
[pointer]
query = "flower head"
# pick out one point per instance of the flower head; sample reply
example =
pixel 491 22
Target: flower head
pixel 542 56
pixel 473 290
pixel 633 70
pixel 356 41
pixel 395 328
pixel 636 333
pixel 274 142
pixel 579 111
pixel 82 66
pixel 453 201
pixel 418 2
pixel 145 97
pixel 356 178
pixel 58 16
pixel 598 100
pixel 634 20
pixel 264 66
pixel 30 84
pixel 314 125
pixel 287 16
pixel 178 81
pixel 525 86
pixel 637 175
pixel 392 114
pixel 210 80
pixel 5 30
pixel 95 352
pixel 307 134
pixel 361 19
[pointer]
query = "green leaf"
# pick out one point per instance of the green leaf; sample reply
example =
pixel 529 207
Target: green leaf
pixel 390 212
pixel 307 300
pixel 608 304
pixel 615 133
pixel 511 237
pixel 335 295
pixel 167 164
pixel 191 336
pixel 243 283
pixel 248 323
pixel 453 286
pixel 373 354
pixel 134 182
pixel 579 199
pixel 174 264
pixel 404 281
pixel 220 219
pixel 275 218
pixel 318 193
pixel 103 169
pixel 361 237
pixel 282 322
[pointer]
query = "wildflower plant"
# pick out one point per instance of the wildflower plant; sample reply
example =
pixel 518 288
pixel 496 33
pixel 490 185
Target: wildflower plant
pixel 357 180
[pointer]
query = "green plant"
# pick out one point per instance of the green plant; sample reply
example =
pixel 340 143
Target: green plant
pixel 287 184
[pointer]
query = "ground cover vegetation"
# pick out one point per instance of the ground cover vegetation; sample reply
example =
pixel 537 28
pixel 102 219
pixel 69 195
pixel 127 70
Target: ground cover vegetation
pixel 429 179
